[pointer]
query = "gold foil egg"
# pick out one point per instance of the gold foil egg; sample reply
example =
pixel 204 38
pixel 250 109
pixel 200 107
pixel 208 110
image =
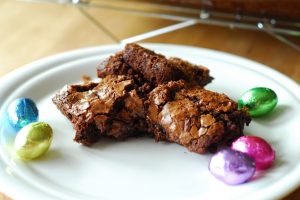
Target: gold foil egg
pixel 33 140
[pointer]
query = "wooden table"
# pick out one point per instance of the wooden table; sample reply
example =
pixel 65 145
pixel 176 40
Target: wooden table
pixel 31 31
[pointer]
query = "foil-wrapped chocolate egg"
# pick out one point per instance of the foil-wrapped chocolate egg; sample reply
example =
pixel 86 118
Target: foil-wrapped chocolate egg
pixel 259 101
pixel 257 148
pixel 22 112
pixel 33 140
pixel 232 167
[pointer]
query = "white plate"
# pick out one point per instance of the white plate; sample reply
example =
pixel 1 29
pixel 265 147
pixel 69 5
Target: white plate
pixel 139 168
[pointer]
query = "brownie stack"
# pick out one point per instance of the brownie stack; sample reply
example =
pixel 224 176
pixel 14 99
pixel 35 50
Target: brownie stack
pixel 144 93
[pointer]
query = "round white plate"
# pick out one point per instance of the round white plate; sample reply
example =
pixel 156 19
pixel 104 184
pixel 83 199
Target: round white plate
pixel 140 168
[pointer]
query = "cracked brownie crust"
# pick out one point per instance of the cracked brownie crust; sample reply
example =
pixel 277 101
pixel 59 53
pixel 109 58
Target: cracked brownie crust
pixel 148 67
pixel 110 108
pixel 193 117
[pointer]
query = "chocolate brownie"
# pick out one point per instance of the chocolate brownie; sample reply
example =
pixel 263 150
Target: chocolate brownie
pixel 150 99
pixel 115 65
pixel 108 108
pixel 193 117
pixel 175 111
pixel 150 69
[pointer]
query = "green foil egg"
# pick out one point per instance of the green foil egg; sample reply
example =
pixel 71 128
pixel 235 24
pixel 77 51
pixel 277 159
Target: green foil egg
pixel 33 140
pixel 259 101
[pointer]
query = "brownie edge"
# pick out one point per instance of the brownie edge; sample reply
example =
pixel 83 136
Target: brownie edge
pixel 146 66
pixel 110 108
pixel 196 118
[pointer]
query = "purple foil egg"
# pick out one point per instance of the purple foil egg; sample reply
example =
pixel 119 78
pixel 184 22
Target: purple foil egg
pixel 232 167
pixel 257 148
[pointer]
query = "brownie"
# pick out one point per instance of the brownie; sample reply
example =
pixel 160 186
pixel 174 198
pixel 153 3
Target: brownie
pixel 176 111
pixel 196 118
pixel 142 92
pixel 115 65
pixel 108 108
pixel 150 69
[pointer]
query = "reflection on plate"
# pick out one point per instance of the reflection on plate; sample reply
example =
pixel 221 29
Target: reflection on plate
pixel 139 168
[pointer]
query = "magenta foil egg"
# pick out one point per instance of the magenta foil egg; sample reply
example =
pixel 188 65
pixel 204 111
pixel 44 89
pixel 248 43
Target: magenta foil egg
pixel 257 148
pixel 232 167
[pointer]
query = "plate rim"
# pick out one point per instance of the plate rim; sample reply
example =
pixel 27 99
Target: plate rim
pixel 81 53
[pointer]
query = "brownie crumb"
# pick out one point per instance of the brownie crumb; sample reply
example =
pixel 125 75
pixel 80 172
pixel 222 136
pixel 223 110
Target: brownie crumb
pixel 86 78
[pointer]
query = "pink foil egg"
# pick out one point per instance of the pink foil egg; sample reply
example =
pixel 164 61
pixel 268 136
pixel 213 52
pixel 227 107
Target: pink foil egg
pixel 257 148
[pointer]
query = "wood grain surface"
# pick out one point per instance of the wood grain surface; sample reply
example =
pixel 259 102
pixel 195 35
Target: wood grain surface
pixel 31 31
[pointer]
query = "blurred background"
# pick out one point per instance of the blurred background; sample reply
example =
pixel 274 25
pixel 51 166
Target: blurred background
pixel 32 30
pixel 267 31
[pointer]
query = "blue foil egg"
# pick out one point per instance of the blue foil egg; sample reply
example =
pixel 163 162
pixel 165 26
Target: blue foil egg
pixel 22 112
